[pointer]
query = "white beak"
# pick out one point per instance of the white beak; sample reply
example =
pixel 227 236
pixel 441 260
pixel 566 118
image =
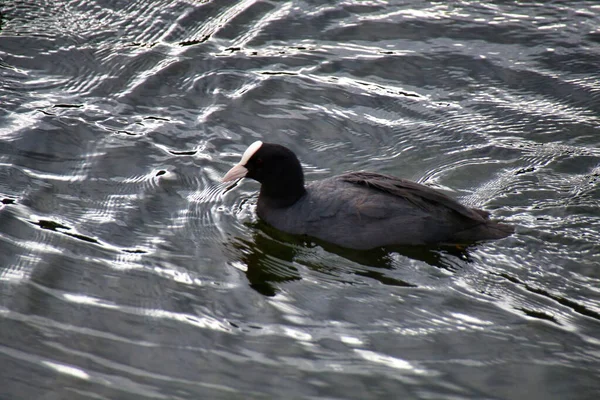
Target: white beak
pixel 237 172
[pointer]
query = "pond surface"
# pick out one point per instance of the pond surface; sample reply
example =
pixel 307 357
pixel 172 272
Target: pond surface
pixel 128 271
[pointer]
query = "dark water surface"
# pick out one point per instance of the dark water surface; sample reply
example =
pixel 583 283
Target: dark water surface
pixel 127 272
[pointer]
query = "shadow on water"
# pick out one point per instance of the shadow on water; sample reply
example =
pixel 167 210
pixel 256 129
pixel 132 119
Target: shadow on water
pixel 269 256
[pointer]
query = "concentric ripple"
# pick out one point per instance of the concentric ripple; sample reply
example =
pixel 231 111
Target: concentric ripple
pixel 128 270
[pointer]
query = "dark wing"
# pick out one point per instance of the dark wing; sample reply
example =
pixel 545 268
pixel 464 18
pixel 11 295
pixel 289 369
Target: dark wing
pixel 421 196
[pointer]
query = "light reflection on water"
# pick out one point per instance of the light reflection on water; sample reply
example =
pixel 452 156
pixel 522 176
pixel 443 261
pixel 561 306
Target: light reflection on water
pixel 127 270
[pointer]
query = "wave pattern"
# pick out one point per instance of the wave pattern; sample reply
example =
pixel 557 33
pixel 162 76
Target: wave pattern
pixel 128 271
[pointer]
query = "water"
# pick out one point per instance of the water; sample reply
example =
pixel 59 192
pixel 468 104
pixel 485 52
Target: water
pixel 128 272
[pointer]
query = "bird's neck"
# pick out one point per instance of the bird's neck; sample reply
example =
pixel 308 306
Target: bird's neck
pixel 281 194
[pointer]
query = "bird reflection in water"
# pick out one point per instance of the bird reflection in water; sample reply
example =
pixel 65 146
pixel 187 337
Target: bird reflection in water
pixel 271 256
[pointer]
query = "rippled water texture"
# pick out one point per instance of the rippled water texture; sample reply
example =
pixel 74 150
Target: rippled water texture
pixel 127 271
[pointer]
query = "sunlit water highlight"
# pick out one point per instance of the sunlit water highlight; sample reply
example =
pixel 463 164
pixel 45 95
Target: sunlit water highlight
pixel 127 270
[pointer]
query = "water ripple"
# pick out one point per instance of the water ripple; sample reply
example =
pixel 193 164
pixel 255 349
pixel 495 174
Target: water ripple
pixel 130 271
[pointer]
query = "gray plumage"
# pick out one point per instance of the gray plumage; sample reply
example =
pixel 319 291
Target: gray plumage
pixel 359 210
pixel 362 210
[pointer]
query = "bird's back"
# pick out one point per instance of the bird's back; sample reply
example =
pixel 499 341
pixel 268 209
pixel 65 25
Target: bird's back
pixel 365 210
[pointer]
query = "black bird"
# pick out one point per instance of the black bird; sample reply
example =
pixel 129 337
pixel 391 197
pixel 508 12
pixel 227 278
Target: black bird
pixel 358 210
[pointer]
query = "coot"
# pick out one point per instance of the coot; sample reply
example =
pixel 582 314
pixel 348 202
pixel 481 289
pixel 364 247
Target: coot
pixel 358 210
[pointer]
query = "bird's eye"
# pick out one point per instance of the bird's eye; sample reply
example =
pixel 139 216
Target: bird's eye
pixel 259 162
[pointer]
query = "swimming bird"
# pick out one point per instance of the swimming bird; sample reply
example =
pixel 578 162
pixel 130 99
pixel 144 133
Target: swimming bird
pixel 358 210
